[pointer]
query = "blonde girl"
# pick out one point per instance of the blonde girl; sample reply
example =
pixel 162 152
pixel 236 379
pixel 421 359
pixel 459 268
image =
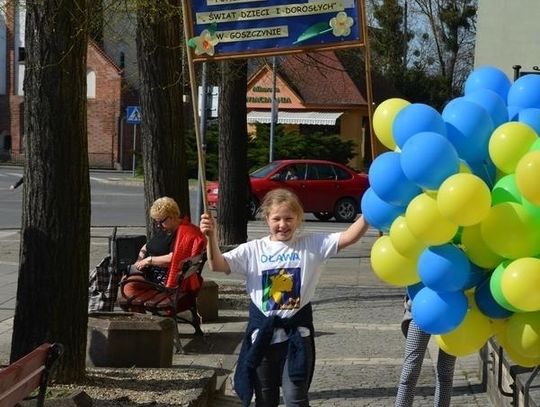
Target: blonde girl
pixel 281 271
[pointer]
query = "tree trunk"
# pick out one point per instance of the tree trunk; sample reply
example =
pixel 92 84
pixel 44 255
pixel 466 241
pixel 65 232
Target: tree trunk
pixel 233 171
pixel 159 52
pixel 52 292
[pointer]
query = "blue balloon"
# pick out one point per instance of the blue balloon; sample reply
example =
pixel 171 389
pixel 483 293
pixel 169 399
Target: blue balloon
pixel 513 112
pixel 476 276
pixel 412 290
pixel 488 77
pixel 494 105
pixel 469 128
pixel 438 312
pixel 377 212
pixel 486 302
pixel 444 268
pixel 484 169
pixel 530 116
pixel 428 158
pixel 387 179
pixel 416 118
pixel 525 92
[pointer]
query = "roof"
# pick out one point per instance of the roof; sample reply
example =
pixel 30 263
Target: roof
pixel 104 55
pixel 320 78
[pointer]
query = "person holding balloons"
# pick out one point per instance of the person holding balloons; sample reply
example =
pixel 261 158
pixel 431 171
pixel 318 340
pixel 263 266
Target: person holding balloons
pixel 415 349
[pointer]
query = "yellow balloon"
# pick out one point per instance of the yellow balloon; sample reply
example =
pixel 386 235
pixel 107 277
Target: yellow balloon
pixel 392 267
pixel 508 143
pixel 464 199
pixel 383 119
pixel 520 284
pixel 477 250
pixel 519 359
pixel 510 231
pixel 403 240
pixel 469 336
pixel 523 334
pixel 527 177
pixel 510 351
pixel 426 222
pixel 498 326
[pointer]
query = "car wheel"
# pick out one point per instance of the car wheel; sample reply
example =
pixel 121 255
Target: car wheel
pixel 323 215
pixel 253 208
pixel 346 210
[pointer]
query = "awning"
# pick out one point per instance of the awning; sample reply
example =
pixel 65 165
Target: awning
pixel 317 118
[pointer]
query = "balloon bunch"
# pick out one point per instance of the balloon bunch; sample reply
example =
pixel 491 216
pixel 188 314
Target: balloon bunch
pixel 459 198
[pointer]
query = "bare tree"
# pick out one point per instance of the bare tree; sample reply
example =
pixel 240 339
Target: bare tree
pixel 53 272
pixel 449 26
pixel 233 171
pixel 159 51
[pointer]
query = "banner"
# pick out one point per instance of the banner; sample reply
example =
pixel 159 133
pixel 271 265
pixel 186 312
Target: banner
pixel 224 29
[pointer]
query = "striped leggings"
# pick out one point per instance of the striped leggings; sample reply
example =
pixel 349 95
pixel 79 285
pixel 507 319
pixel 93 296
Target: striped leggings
pixel 415 349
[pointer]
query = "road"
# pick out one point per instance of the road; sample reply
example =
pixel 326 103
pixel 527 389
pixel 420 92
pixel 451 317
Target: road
pixel 116 199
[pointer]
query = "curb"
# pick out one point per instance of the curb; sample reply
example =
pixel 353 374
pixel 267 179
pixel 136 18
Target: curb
pixel 206 396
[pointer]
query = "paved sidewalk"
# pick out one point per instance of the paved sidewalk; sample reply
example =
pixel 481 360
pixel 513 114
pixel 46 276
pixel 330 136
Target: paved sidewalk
pixel 357 322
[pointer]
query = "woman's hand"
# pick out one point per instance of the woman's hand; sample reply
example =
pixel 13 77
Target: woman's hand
pixel 146 262
pixel 207 224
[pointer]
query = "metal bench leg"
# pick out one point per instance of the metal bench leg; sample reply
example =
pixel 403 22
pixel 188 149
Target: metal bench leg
pixel 177 341
pixel 196 321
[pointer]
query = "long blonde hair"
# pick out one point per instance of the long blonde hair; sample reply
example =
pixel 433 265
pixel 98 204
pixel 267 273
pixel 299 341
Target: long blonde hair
pixel 282 196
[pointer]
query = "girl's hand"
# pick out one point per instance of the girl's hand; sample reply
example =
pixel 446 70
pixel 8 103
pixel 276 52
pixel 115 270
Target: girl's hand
pixel 207 224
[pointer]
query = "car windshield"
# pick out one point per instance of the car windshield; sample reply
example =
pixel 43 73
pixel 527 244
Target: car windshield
pixel 264 171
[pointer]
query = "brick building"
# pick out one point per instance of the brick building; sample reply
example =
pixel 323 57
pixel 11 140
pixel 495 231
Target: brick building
pixel 104 83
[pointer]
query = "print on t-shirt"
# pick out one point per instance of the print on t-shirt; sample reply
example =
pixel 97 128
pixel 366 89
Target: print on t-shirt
pixel 281 289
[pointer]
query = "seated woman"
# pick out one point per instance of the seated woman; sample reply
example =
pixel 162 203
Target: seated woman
pixel 158 260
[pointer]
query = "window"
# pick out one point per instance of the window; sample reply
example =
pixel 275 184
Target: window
pixel 326 172
pixel 294 172
pixel 320 172
pixel 90 84
pixel 341 173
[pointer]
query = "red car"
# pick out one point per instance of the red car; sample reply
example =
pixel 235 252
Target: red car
pixel 326 189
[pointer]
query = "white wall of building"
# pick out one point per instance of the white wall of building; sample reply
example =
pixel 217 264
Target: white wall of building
pixel 19 42
pixel 508 33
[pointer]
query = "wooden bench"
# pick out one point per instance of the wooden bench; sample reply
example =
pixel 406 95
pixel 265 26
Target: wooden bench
pixel 21 378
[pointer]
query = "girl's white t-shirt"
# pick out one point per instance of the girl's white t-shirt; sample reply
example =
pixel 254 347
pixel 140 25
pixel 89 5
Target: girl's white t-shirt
pixel 281 277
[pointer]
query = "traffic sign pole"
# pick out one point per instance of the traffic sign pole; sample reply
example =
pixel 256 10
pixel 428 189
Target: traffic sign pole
pixel 134 148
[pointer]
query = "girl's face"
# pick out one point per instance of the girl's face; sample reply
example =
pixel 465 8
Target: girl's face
pixel 282 222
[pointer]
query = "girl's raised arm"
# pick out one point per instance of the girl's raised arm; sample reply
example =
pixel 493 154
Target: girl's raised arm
pixel 216 260
pixel 353 233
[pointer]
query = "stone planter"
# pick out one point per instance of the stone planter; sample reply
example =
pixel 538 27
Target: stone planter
pixel 207 301
pixel 129 339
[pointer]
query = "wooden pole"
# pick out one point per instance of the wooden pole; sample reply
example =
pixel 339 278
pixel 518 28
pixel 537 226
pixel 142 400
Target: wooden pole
pixel 196 121
pixel 369 87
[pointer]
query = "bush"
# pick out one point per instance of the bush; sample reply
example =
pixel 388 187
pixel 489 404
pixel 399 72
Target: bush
pixel 318 144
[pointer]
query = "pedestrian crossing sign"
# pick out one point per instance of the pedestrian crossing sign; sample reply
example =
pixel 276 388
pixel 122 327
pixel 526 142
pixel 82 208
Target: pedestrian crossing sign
pixel 133 115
